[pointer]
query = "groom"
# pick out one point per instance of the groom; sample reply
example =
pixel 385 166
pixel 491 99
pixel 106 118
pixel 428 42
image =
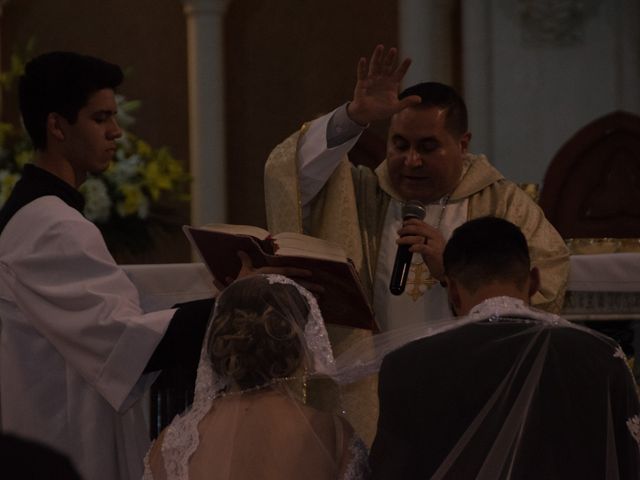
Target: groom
pixel 517 393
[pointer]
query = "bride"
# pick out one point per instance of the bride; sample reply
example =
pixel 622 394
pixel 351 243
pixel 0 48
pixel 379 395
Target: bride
pixel 248 418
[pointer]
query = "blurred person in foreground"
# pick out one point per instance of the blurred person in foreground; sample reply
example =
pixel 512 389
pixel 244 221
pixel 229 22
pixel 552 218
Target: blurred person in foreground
pixel 29 460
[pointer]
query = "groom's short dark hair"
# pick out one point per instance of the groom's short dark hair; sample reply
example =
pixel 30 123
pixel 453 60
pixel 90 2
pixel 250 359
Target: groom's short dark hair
pixel 485 250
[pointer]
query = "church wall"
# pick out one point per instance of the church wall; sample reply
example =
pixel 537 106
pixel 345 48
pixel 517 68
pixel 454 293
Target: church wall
pixel 536 72
pixel 289 61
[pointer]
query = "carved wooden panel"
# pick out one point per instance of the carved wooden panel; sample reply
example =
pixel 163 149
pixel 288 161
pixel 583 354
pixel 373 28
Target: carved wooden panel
pixel 592 185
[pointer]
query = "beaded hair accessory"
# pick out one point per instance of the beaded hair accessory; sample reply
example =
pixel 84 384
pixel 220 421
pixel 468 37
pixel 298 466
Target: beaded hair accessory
pixel 315 333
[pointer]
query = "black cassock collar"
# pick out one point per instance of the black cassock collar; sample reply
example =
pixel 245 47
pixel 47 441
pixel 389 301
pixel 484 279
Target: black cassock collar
pixel 36 183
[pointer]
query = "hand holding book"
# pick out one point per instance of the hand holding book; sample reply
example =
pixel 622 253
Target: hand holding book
pixel 230 251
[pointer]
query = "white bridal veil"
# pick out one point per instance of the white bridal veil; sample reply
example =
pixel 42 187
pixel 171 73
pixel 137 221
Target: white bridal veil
pixel 264 430
pixel 507 392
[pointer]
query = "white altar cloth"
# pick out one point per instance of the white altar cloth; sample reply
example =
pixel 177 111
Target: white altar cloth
pixel 608 272
pixel 162 285
pixel 600 286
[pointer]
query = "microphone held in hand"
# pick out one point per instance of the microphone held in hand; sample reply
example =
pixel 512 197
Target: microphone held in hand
pixel 411 209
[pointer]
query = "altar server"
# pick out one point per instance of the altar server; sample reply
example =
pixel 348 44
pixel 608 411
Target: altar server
pixel 77 352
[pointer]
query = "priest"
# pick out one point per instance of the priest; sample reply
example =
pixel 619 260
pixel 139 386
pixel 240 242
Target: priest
pixel 311 187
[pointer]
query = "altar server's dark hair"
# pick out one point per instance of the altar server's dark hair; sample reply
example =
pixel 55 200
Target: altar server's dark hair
pixel 61 82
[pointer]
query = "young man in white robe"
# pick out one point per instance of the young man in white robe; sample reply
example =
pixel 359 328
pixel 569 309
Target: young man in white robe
pixel 77 352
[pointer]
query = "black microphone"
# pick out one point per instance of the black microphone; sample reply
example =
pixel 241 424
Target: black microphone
pixel 411 209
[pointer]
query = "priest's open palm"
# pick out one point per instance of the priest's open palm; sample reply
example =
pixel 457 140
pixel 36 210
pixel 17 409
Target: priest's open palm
pixel 375 96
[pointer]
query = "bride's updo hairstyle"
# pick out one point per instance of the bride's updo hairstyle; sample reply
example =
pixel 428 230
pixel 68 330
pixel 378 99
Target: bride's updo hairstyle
pixel 256 332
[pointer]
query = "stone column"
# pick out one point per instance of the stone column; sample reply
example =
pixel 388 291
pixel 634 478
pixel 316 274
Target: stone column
pixel 425 33
pixel 478 74
pixel 205 56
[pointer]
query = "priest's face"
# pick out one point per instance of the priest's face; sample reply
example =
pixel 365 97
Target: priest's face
pixel 424 158
pixel 90 142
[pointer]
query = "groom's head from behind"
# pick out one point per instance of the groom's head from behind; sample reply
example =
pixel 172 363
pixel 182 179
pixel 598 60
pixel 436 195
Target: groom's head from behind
pixel 487 257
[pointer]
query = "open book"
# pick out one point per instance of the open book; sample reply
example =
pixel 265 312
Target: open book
pixel 343 301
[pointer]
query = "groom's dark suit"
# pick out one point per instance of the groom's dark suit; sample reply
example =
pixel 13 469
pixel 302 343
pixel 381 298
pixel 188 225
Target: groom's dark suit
pixel 432 390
